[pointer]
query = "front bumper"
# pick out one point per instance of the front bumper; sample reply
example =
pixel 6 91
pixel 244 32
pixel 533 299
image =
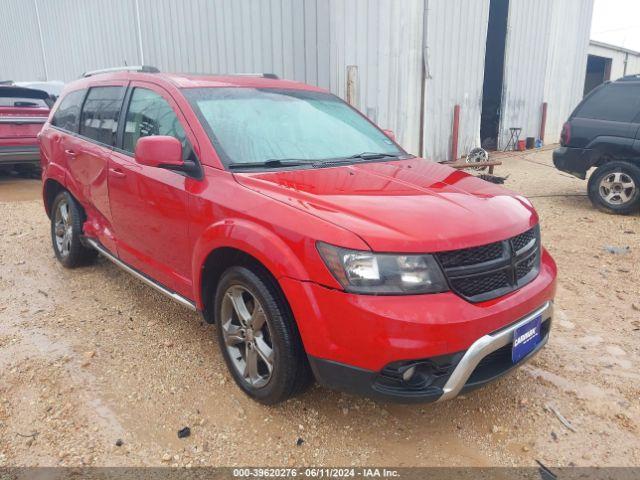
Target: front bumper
pixel 440 378
pixel 11 155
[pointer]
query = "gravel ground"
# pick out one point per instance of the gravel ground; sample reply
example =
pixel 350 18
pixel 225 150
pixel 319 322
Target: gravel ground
pixel 98 369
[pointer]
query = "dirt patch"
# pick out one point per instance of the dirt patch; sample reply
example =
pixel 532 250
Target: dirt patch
pixel 92 356
pixel 13 189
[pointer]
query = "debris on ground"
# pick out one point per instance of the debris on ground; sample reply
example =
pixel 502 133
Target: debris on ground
pixel 184 432
pixel 617 250
pixel 493 178
pixel 561 417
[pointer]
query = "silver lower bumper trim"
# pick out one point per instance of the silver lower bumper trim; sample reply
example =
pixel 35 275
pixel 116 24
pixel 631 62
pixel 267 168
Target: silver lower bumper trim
pixel 483 347
pixel 173 295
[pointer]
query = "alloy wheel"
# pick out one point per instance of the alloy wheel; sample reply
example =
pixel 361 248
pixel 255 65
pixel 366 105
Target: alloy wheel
pixel 247 336
pixel 617 188
pixel 63 228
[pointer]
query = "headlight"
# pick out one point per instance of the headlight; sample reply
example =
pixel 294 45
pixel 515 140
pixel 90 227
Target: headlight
pixel 382 273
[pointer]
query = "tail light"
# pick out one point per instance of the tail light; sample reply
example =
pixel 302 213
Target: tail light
pixel 565 137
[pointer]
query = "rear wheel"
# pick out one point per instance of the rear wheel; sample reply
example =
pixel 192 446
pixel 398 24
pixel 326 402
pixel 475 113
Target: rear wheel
pixel 258 337
pixel 66 231
pixel 615 187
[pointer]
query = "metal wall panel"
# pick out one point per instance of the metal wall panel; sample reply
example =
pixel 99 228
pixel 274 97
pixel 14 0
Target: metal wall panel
pixel 93 34
pixel 383 38
pixel 227 36
pixel 566 62
pixel 545 60
pixel 456 33
pixel 528 38
pixel 315 41
pixel 20 51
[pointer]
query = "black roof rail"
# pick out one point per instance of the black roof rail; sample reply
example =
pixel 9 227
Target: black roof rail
pixel 133 68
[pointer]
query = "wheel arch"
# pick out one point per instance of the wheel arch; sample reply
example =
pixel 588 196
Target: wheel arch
pixel 238 242
pixel 50 190
pixel 607 149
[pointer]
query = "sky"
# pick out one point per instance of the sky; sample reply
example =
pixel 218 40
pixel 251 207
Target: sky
pixel 617 22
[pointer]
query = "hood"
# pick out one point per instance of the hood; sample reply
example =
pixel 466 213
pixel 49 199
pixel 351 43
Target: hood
pixel 406 206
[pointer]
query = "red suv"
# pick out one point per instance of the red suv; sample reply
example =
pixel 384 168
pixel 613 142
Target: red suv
pixel 23 111
pixel 317 245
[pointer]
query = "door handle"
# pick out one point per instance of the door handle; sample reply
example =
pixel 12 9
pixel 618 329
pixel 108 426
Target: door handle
pixel 117 172
pixel 70 153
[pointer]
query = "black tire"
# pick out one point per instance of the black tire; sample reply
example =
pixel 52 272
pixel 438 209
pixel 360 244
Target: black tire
pixel 290 374
pixel 73 253
pixel 615 204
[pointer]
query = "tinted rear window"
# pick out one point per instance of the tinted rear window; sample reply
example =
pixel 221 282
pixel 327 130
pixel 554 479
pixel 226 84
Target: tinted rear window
pixel 99 118
pixel 22 102
pixel 614 102
pixel 67 114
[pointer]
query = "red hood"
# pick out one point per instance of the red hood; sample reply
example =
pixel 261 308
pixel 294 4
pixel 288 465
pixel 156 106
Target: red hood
pixel 402 206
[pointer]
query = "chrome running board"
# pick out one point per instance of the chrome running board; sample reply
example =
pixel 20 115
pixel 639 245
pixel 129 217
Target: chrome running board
pixel 484 346
pixel 173 295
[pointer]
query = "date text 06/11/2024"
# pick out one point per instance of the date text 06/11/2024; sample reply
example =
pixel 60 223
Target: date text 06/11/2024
pixel 311 472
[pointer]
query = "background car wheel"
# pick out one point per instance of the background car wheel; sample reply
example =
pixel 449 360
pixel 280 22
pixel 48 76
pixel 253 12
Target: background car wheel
pixel 615 187
pixel 67 218
pixel 258 336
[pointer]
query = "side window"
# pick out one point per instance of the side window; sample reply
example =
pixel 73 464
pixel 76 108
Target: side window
pixel 67 114
pixel 150 114
pixel 614 102
pixel 99 118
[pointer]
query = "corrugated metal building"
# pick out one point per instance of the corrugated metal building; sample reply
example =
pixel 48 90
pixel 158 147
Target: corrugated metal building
pixel 609 62
pixel 414 59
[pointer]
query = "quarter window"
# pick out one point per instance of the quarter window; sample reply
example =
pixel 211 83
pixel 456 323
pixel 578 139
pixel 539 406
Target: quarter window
pixel 614 102
pixel 67 114
pixel 150 114
pixel 99 119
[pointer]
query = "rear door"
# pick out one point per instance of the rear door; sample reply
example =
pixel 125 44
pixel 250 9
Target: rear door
pixel 88 154
pixel 150 205
pixel 23 111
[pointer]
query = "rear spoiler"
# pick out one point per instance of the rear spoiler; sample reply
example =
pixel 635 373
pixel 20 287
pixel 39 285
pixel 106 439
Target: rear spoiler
pixel 22 92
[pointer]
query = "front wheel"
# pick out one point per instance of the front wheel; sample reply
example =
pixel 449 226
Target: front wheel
pixel 258 337
pixel 66 231
pixel 615 187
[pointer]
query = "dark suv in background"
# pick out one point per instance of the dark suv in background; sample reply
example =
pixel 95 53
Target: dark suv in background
pixel 604 132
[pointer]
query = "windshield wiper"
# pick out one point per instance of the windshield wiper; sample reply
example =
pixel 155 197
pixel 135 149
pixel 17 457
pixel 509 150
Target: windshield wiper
pixel 374 155
pixel 296 162
pixel 272 163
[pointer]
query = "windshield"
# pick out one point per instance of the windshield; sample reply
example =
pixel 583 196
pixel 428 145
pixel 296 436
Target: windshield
pixel 253 126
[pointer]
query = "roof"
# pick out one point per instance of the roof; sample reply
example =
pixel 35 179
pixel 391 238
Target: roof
pixel 256 81
pixel 185 80
pixel 608 46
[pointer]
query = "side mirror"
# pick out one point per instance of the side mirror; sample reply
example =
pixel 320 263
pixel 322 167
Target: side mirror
pixel 159 151
pixel 390 134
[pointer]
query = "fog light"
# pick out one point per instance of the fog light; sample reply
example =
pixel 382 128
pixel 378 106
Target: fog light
pixel 408 373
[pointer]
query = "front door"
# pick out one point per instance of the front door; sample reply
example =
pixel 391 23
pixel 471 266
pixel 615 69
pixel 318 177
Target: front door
pixel 149 205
